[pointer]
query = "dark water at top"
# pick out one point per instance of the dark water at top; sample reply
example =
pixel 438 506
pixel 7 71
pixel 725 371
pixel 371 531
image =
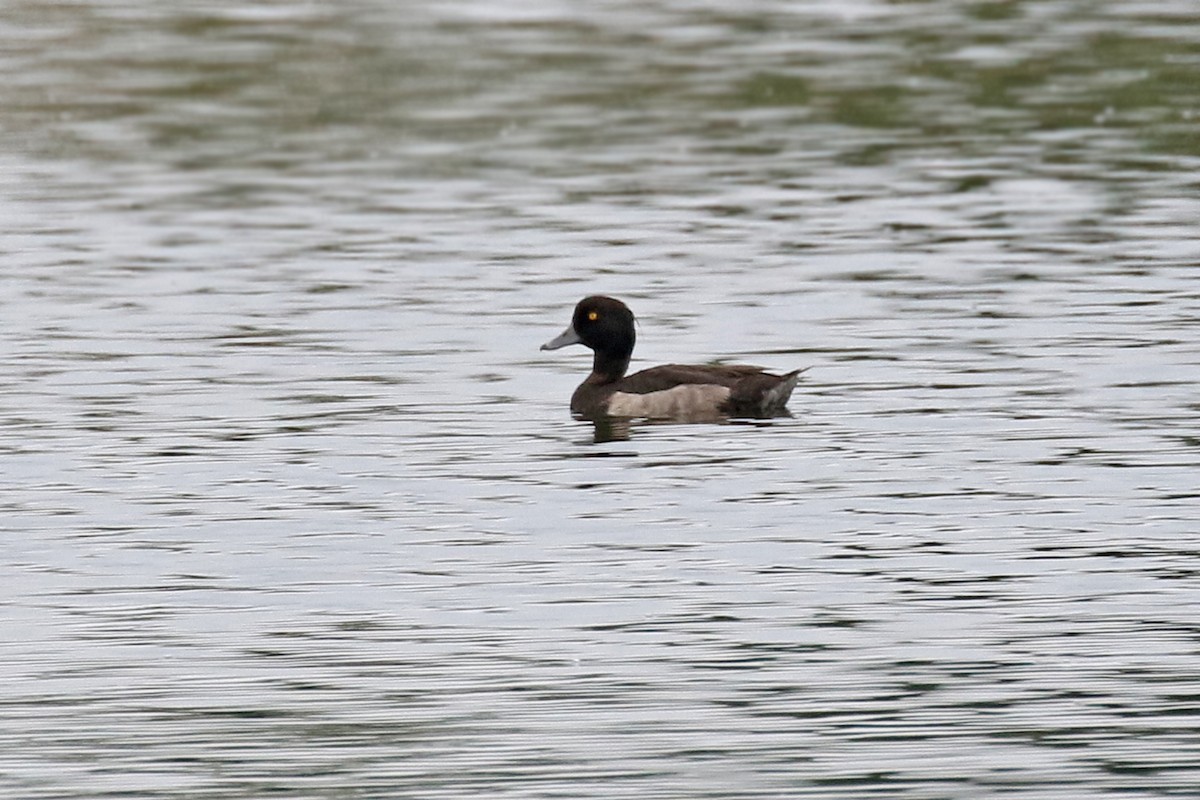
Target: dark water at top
pixel 292 505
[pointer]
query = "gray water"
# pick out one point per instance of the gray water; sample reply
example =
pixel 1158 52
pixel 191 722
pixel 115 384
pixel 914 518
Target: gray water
pixel 292 505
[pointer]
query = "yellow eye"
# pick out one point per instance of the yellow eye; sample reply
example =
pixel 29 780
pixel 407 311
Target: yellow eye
pixel 593 315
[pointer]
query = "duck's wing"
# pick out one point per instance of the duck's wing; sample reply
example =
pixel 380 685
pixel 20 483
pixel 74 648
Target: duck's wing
pixel 668 376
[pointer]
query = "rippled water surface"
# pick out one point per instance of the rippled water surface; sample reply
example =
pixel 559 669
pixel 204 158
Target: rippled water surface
pixel 292 504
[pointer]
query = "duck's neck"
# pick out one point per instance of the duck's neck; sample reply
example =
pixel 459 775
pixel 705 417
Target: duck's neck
pixel 609 367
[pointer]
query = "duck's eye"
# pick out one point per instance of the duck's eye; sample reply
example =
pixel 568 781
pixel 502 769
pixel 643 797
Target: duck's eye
pixel 593 315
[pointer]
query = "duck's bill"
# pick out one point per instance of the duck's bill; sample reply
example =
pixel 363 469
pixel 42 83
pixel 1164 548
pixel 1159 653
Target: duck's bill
pixel 569 336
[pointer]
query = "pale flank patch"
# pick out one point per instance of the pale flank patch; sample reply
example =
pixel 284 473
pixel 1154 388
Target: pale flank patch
pixel 691 401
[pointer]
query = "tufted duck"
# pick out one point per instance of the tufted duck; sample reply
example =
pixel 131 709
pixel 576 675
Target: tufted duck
pixel 670 392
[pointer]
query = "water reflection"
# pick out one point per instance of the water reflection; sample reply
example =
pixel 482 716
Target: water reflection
pixel 611 429
pixel 621 429
pixel 294 506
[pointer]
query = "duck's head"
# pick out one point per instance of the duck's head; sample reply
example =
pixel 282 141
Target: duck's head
pixel 604 324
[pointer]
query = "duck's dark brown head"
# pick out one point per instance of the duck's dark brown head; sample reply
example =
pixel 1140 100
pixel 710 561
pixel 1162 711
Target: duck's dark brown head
pixel 606 325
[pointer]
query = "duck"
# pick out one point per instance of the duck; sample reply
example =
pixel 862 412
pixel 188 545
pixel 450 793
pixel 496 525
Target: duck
pixel 672 392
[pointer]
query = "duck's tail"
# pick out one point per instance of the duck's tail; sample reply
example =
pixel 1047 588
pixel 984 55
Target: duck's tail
pixel 775 399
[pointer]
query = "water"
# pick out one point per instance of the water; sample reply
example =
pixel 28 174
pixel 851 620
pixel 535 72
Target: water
pixel 292 503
